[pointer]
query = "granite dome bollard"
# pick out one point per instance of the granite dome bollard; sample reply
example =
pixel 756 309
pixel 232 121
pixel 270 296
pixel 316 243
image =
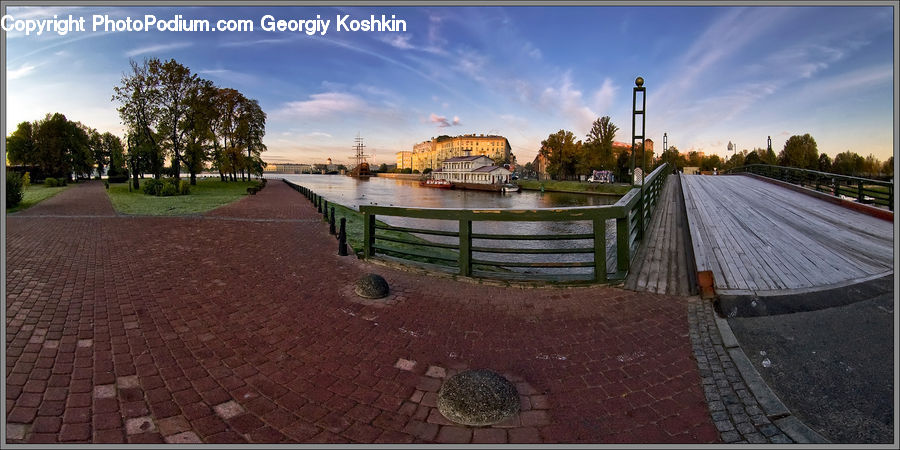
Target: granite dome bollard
pixel 372 286
pixel 478 397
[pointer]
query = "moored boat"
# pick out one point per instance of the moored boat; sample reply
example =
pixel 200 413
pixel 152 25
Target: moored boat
pixel 440 184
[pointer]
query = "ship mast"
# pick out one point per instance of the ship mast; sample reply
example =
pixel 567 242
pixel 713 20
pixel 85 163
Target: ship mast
pixel 359 147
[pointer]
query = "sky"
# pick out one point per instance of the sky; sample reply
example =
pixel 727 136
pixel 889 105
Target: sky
pixel 713 75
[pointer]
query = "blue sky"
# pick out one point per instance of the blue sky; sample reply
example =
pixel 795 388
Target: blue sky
pixel 713 74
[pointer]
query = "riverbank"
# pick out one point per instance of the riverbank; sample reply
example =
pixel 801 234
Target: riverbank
pixel 576 187
pixel 401 176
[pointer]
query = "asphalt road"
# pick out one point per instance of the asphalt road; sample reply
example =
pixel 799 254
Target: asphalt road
pixel 833 368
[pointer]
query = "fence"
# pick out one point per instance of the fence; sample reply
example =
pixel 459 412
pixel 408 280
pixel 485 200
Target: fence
pixel 461 254
pixel 864 190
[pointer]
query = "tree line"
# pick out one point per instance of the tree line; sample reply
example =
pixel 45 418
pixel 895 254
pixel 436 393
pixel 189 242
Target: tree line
pixel 58 147
pixel 567 158
pixel 170 112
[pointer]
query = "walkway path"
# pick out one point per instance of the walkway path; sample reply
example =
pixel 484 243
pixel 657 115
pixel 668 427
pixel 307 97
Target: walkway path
pixel 85 198
pixel 760 239
pixel 154 329
pixel 663 263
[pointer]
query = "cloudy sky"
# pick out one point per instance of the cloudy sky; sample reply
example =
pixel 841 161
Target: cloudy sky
pixel 713 74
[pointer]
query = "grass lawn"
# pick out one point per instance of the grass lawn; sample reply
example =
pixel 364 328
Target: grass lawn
pixel 576 187
pixel 34 194
pixel 208 194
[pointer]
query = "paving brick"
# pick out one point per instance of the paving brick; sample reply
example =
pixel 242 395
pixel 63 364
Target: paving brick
pixel 185 437
pixel 421 430
pixel 74 432
pixel 228 409
pixel 16 431
pixel 173 425
pixel 524 435
pixel 489 436
pixel 140 425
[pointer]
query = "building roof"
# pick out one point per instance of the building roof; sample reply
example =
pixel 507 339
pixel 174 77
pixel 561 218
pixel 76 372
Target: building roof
pixel 486 169
pixel 465 158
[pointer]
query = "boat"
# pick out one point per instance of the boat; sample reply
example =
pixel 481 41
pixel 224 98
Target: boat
pixel 361 169
pixel 440 184
pixel 509 187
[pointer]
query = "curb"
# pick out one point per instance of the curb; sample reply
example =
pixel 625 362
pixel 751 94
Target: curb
pixel 773 407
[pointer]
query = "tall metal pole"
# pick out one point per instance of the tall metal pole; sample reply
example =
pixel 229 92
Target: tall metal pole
pixel 769 146
pixel 666 147
pixel 639 87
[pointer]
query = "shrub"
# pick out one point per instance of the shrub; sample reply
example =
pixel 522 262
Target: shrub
pixel 118 175
pixel 168 190
pixel 26 180
pixel 184 188
pixel 51 182
pixel 106 184
pixel 15 189
pixel 152 186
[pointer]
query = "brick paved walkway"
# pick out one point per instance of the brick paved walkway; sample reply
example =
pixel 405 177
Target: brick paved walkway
pixel 85 198
pixel 218 329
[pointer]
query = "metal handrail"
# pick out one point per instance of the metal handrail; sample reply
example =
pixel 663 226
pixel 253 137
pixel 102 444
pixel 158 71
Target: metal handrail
pixel 832 183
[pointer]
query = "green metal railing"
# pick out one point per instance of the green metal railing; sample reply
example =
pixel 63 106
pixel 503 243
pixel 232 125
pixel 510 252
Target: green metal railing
pixel 627 212
pixel 864 190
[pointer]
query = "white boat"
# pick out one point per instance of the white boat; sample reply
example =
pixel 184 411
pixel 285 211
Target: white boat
pixel 509 187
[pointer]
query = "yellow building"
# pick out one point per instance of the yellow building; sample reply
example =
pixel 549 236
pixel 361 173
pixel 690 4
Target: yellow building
pixel 430 154
pixel 404 160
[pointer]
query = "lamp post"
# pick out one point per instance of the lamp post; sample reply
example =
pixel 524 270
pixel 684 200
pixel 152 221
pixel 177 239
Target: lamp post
pixel 769 144
pixel 639 87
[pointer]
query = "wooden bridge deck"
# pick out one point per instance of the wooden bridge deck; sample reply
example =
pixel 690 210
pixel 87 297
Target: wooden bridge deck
pixel 761 239
pixel 662 264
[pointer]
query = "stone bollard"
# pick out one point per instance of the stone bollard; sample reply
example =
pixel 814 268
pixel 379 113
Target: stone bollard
pixel 319 204
pixel 342 238
pixel 331 229
pixel 325 210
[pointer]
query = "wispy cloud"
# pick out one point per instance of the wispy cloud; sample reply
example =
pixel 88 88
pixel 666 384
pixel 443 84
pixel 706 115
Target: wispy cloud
pixel 326 104
pixel 22 71
pixel 157 48
pixel 443 122
pixel 230 76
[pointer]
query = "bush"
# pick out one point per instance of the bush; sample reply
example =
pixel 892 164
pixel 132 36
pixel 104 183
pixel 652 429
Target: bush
pixel 26 180
pixel 118 175
pixel 152 187
pixel 184 188
pixel 51 182
pixel 15 188
pixel 168 190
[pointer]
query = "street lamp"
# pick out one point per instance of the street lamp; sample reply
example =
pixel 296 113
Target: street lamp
pixel 769 146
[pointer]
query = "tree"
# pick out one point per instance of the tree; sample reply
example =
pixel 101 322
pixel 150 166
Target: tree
pixel 871 166
pixel 199 122
pixel 694 159
pixel 174 84
pixel 711 162
pixel 561 151
pixel 139 99
pixel 800 152
pixel 824 163
pixel 736 160
pixel 252 128
pixel 599 144
pixel 888 167
pixel 753 158
pixel 847 163
pixel 768 157
pixel 20 148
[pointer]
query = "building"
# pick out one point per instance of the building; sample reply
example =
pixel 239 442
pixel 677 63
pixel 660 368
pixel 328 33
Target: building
pixel 288 168
pixel 477 169
pixel 404 160
pixel 430 154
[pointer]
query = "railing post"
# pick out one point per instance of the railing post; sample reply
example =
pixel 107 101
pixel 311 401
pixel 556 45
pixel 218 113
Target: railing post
pixel 319 204
pixel 342 238
pixel 599 249
pixel 465 247
pixel 859 191
pixel 891 196
pixel 623 259
pixel 331 222
pixel 369 234
pixel 324 210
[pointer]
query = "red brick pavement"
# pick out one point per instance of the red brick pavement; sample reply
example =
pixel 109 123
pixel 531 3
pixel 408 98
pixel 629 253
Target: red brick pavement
pixel 188 330
pixel 84 198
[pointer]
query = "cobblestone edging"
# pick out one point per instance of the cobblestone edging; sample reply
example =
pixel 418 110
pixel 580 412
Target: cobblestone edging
pixel 735 410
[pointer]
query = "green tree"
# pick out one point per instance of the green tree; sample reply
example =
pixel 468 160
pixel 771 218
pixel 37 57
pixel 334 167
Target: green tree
pixel 711 162
pixel 251 129
pixel 174 84
pixel 598 147
pixel 888 167
pixel 871 166
pixel 561 151
pixel 824 163
pixel 800 151
pixel 848 163
pixel 753 158
pixel 139 108
pixel 20 148
pixel 199 122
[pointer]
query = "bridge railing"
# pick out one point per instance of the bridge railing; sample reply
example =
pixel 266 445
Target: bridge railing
pixel 863 190
pixel 475 254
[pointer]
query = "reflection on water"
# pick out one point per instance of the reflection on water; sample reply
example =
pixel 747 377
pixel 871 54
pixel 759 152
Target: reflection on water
pixel 352 192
